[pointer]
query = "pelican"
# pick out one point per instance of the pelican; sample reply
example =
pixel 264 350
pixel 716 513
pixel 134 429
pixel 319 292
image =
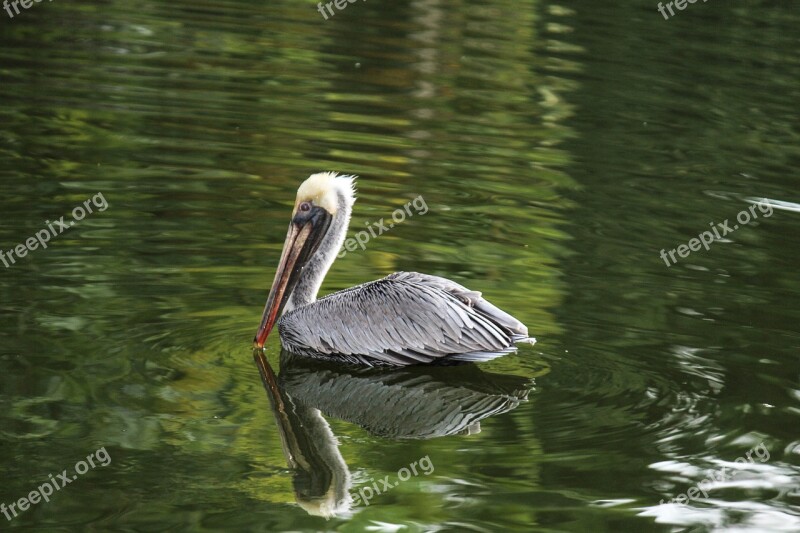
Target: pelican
pixel 403 319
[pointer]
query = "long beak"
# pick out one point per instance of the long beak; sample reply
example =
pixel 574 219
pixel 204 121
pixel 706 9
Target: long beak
pixel 302 240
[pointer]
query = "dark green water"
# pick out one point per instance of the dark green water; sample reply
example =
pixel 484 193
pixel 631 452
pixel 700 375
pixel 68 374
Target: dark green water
pixel 559 149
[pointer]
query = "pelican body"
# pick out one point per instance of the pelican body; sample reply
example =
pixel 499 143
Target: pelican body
pixel 403 319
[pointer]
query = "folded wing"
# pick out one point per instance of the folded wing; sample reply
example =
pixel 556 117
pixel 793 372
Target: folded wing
pixel 405 318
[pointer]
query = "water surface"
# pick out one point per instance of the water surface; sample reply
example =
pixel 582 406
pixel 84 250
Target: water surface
pixel 558 147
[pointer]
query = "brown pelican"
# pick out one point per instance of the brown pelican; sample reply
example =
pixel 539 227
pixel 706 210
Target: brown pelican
pixel 405 318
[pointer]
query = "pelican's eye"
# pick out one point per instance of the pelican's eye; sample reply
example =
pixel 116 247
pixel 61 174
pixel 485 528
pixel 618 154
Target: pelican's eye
pixel 304 207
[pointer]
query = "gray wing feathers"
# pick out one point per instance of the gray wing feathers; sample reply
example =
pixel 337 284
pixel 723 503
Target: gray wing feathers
pixel 405 318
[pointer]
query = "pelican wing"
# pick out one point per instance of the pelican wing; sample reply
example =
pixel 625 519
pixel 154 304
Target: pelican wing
pixel 405 318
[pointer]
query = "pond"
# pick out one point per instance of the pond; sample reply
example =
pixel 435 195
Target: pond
pixel 622 181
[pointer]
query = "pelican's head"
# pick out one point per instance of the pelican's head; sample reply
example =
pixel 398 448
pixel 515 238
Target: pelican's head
pixel 319 200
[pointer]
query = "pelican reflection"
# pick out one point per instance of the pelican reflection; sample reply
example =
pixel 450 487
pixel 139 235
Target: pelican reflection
pixel 417 402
